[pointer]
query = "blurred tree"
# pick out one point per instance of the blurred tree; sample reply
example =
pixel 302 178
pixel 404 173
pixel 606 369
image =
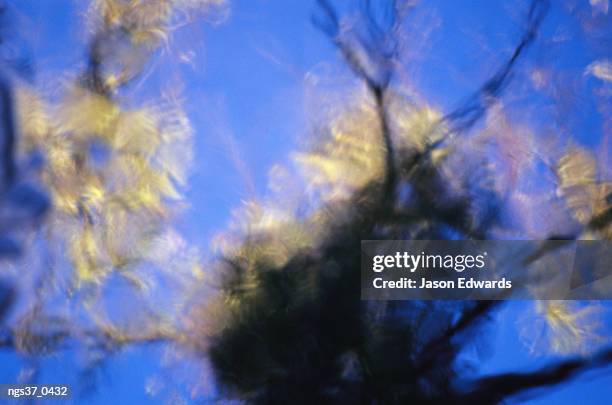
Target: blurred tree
pixel 113 174
pixel 289 325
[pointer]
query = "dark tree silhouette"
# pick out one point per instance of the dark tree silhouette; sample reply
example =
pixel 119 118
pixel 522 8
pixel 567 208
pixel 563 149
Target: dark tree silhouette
pixel 299 333
pixel 23 204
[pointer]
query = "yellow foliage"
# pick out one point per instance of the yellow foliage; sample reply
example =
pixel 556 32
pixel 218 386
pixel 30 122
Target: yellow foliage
pixel 584 195
pixel 107 210
pixel 350 157
pixel 353 154
pixel 145 21
pixel 562 328
pixel 34 120
pixel 416 127
pixel 84 113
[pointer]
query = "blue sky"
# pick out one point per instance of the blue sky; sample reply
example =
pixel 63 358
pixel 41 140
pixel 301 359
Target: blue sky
pixel 246 92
